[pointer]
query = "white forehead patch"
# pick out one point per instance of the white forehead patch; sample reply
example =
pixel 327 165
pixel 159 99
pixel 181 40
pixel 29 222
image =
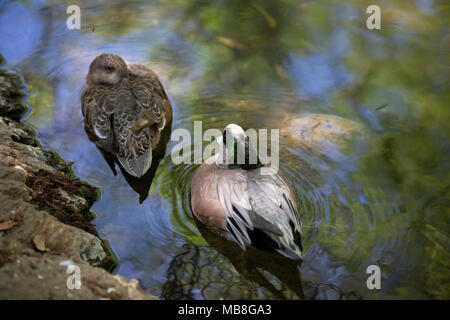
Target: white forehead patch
pixel 235 129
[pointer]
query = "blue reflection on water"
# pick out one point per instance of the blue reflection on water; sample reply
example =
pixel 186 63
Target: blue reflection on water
pixel 19 23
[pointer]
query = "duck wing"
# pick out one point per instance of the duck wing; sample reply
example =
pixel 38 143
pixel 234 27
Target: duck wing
pixel 98 105
pixel 222 199
pixel 219 199
pixel 232 193
pixel 149 92
pixel 273 204
pixel 109 115
pixel 133 150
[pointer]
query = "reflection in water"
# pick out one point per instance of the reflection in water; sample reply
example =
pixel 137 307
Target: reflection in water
pixel 253 264
pixel 384 201
pixel 225 271
pixel 199 272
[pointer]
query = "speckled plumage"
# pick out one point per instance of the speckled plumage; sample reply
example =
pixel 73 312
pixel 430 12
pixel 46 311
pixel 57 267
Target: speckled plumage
pixel 125 108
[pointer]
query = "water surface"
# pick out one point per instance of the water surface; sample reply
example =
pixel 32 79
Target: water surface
pixel 384 202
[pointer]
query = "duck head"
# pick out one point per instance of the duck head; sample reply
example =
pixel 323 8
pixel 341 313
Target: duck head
pixel 107 69
pixel 236 150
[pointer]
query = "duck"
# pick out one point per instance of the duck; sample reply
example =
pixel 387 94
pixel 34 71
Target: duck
pixel 125 109
pixel 243 203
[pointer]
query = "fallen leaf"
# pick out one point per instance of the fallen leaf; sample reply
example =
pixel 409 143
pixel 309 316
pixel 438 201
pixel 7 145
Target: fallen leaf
pixel 270 21
pixel 39 242
pixel 6 225
pixel 231 43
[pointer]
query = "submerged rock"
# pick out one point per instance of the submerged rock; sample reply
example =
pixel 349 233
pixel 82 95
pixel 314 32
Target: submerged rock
pixel 323 134
pixel 45 217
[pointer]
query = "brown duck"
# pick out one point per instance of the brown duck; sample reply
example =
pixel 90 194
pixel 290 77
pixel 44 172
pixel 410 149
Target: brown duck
pixel 125 108
pixel 243 204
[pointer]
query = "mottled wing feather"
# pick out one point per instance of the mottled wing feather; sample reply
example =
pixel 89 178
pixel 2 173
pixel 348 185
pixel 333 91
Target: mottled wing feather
pixel 132 150
pixel 96 120
pixel 149 92
pixel 109 113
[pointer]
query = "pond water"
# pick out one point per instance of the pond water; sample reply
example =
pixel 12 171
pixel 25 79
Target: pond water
pixel 384 202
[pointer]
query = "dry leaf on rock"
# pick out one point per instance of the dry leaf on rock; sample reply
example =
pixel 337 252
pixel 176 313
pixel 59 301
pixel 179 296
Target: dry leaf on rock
pixel 6 225
pixel 39 242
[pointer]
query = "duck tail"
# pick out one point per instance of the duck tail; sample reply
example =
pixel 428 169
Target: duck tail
pixel 287 243
pixel 290 244
pixel 293 253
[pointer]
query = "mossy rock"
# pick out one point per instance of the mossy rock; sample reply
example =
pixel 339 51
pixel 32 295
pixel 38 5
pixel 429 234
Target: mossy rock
pixel 12 92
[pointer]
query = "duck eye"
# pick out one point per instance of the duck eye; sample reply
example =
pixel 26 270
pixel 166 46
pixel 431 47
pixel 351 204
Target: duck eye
pixel 109 69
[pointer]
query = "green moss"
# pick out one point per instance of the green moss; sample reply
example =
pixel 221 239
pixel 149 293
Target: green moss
pixel 12 92
pixel 54 160
pixel 111 261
